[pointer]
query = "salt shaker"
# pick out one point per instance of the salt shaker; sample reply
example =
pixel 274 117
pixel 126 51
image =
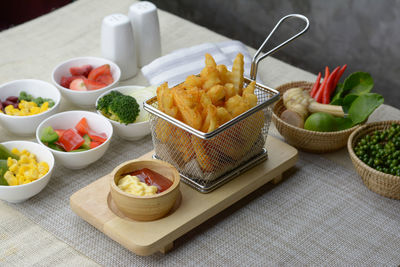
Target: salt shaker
pixel 117 44
pixel 146 30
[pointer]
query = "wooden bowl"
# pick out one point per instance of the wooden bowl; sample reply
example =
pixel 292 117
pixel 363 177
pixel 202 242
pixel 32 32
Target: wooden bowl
pixel 379 182
pixel 310 141
pixel 145 208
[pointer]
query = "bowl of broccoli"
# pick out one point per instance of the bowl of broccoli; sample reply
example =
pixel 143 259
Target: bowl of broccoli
pixel 123 107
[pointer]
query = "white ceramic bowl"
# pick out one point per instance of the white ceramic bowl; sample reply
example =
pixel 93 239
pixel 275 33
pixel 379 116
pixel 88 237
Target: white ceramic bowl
pixel 84 99
pixel 133 131
pixel 26 125
pixel 68 119
pixel 19 193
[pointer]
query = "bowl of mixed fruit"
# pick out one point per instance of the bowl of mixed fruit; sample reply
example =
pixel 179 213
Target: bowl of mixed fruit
pixel 82 80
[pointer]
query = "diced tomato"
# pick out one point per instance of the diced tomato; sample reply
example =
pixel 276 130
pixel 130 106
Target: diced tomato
pixel 106 79
pixel 97 137
pixel 82 70
pixel 102 70
pixel 78 85
pixel 59 132
pixel 70 140
pixel 94 144
pixel 66 81
pixel 82 127
pixel 93 85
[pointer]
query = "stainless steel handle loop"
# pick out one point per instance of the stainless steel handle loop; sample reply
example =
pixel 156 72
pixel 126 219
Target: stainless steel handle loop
pixel 257 58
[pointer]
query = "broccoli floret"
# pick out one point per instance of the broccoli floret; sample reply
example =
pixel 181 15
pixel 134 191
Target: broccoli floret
pixel 124 109
pixel 105 102
pixel 39 101
pixel 24 96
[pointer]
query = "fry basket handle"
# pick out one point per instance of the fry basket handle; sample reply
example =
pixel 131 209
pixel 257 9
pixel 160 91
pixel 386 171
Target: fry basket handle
pixel 257 58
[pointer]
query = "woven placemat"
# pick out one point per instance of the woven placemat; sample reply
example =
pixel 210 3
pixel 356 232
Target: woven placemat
pixel 320 214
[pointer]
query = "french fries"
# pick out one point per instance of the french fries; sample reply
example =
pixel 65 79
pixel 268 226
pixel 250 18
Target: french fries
pixel 205 102
pixel 223 89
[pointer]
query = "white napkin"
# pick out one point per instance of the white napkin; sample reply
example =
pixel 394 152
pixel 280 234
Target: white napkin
pixel 176 66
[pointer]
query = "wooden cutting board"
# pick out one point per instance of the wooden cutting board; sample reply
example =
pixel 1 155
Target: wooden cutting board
pixel 94 204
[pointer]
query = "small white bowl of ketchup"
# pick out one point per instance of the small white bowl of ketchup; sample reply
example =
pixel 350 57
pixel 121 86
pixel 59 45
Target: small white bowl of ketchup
pixel 152 172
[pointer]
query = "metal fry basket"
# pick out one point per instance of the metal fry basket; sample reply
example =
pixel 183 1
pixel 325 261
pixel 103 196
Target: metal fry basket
pixel 206 161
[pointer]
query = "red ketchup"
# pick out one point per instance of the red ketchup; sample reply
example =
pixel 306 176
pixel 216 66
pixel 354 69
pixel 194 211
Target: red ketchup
pixel 153 178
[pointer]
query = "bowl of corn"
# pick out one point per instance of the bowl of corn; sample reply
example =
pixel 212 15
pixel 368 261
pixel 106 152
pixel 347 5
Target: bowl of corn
pixel 25 170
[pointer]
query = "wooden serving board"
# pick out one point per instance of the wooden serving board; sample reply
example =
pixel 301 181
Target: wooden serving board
pixel 94 204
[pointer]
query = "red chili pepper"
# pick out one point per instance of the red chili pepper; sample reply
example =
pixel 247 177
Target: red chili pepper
pixel 326 95
pixel 340 74
pixel 316 85
pixel 318 95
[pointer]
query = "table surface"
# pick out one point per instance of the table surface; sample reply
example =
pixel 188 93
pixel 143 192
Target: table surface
pixel 32 50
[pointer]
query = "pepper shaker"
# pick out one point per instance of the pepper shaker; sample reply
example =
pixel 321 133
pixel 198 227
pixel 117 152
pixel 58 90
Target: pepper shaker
pixel 146 29
pixel 117 44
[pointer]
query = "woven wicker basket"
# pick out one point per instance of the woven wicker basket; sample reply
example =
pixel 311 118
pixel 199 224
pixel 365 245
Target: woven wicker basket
pixel 310 141
pixel 384 184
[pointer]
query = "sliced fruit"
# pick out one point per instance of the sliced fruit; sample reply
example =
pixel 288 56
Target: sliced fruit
pixel 102 70
pixel 66 81
pixel 93 85
pixel 82 70
pixel 78 85
pixel 106 79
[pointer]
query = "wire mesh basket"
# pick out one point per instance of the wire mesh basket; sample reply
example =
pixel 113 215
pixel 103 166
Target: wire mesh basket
pixel 207 160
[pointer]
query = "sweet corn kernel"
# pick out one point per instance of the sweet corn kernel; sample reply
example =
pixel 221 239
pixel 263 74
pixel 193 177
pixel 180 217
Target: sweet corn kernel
pixel 10 177
pixel 20 179
pixel 26 169
pixel 23 159
pixel 13 168
pixel 37 110
pixel 43 168
pixel 15 151
pixel 44 106
pixel 11 161
pixel 26 108
pixel 9 109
